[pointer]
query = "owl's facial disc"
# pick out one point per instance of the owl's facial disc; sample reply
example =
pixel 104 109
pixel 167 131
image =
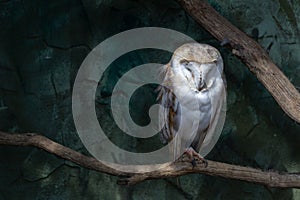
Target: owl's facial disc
pixel 194 74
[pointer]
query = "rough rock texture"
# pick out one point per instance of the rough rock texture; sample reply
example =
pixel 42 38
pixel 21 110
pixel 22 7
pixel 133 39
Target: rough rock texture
pixel 42 45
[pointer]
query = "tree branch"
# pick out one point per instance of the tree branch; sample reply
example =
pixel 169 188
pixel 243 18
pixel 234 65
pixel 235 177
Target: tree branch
pixel 177 168
pixel 250 52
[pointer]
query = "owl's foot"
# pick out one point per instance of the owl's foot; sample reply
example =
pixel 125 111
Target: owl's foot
pixel 194 156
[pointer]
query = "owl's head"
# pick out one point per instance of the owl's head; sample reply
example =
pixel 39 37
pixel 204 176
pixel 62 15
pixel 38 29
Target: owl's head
pixel 196 63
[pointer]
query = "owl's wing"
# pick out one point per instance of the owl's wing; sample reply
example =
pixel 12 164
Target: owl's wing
pixel 218 102
pixel 168 114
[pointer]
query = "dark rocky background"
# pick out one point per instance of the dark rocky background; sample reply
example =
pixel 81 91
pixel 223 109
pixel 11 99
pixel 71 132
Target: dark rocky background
pixel 42 45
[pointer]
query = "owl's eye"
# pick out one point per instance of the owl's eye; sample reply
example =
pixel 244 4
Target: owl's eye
pixel 215 61
pixel 184 62
pixel 189 69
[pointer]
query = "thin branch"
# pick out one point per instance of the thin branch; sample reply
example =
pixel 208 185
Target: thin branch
pixel 250 52
pixel 177 168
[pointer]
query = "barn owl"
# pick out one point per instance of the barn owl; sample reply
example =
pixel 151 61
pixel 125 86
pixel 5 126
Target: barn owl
pixel 193 100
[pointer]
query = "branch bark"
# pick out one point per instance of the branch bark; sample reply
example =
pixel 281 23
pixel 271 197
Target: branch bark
pixel 177 168
pixel 250 52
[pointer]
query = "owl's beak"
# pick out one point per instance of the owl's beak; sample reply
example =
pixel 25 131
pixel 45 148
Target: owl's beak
pixel 202 86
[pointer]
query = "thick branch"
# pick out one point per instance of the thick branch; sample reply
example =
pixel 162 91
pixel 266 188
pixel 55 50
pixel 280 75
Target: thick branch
pixel 250 52
pixel 178 168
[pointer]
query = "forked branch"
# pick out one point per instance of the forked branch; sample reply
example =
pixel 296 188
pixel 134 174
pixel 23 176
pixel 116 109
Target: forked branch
pixel 178 168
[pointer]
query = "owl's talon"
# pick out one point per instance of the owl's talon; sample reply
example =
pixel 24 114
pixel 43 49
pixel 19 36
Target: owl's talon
pixel 194 163
pixel 205 163
pixel 202 160
pixel 194 156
